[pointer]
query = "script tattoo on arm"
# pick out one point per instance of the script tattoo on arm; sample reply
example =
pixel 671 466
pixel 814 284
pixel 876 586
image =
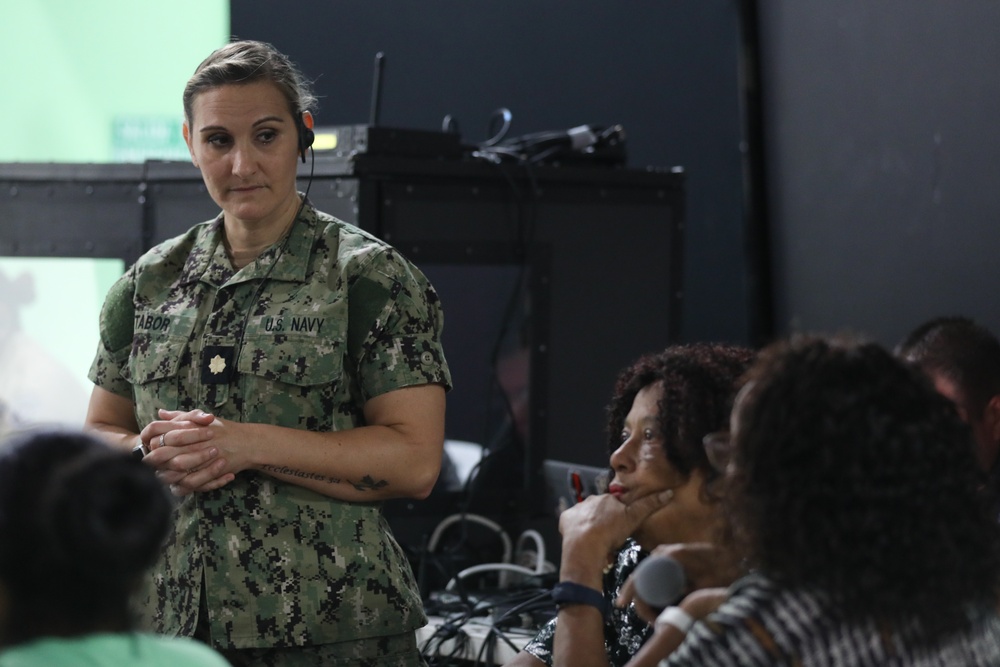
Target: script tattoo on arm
pixel 292 472
pixel 367 483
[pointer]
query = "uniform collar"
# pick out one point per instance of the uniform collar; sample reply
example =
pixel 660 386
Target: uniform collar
pixel 208 262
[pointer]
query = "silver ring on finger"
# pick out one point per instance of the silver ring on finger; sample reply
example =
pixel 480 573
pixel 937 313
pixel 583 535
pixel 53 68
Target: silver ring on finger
pixel 163 440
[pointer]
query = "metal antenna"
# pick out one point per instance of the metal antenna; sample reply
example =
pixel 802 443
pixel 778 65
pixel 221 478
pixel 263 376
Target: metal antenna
pixel 377 89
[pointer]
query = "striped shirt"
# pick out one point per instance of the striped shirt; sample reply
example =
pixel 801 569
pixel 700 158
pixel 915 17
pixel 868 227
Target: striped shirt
pixel 763 625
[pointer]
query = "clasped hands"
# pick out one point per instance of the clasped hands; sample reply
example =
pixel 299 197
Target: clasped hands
pixel 187 452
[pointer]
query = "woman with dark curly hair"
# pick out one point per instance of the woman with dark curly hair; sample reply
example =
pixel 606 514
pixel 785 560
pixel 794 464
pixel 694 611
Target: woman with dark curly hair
pixel 662 407
pixel 852 492
pixel 80 523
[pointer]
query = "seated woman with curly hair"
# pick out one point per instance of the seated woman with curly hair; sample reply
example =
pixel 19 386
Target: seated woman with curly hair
pixel 852 491
pixel 662 407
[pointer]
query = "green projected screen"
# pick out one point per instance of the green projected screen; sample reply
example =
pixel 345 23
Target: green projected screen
pixel 49 311
pixel 101 80
pixel 95 81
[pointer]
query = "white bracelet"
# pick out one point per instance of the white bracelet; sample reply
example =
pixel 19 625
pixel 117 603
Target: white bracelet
pixel 676 617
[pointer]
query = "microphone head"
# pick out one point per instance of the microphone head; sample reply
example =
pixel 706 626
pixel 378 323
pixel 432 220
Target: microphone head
pixel 659 581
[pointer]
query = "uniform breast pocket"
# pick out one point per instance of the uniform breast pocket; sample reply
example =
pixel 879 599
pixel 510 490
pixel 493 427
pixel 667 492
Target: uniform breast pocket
pixel 153 368
pixel 295 381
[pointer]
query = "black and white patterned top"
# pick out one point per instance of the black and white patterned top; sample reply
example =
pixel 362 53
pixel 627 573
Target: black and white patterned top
pixel 762 625
pixel 624 631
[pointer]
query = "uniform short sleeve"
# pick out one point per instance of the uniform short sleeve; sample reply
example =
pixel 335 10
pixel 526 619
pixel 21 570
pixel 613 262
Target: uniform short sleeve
pixel 116 328
pixel 394 334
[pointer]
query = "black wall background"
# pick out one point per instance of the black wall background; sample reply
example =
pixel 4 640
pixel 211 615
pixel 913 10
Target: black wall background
pixel 880 133
pixel 669 72
pixel 883 153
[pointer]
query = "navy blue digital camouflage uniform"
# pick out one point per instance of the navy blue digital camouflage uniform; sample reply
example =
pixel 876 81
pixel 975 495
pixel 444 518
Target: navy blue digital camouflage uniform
pixel 301 338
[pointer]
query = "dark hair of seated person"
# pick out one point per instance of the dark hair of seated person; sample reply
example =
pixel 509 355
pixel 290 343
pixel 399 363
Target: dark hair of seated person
pixel 961 350
pixel 699 381
pixel 853 478
pixel 79 524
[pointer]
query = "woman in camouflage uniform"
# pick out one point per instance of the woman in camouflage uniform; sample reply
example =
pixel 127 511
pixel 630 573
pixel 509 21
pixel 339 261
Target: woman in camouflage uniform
pixel 282 371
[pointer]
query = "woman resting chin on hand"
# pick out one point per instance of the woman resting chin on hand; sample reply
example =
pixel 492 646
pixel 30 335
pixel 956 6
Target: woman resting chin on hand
pixel 661 409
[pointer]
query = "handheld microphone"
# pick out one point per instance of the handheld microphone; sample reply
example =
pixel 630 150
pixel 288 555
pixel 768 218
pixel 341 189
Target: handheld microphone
pixel 659 581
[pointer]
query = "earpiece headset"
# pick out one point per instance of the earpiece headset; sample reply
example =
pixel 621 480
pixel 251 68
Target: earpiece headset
pixel 306 134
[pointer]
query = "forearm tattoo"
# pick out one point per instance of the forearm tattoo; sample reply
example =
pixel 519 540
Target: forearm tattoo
pixel 367 483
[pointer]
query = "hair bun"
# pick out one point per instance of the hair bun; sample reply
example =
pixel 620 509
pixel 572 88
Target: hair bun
pixel 104 515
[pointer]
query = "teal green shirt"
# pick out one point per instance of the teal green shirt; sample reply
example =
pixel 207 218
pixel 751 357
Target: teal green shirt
pixel 112 650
